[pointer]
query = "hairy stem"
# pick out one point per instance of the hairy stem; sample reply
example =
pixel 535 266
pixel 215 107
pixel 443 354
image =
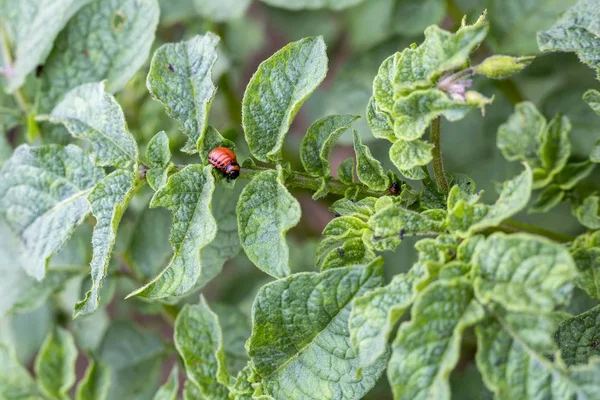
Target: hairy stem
pixel 438 163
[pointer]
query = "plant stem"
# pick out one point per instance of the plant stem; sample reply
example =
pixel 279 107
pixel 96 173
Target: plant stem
pixel 511 226
pixel 301 180
pixel 438 163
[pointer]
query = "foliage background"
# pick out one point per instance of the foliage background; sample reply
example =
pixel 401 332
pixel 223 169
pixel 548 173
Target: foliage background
pixel 359 38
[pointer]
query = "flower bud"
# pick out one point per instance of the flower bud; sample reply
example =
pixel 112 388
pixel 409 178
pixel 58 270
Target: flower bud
pixel 500 67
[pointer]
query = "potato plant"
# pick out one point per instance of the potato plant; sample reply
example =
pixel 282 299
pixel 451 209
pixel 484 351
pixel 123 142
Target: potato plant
pixel 357 254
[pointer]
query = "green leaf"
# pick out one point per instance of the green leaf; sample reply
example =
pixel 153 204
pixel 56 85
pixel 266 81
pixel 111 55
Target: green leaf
pixel 514 23
pixel 169 390
pixel 276 92
pixel 104 40
pixel 573 173
pixel 512 352
pixel 413 113
pixel 346 171
pixel 312 4
pixel 578 337
pixel 576 31
pixel 219 11
pixel 375 313
pixel 588 213
pixel 133 358
pixel 519 138
pixel 555 146
pixel 300 334
pixel 88 112
pixel 352 252
pixel 188 195
pixel 592 97
pixel 362 208
pixel 408 155
pixel 158 155
pixel 319 140
pixel 548 198
pixel 95 383
pixel 34 26
pixel 15 381
pixel 199 341
pixel 265 212
pixel 466 217
pixel 43 198
pixel 523 272
pixel 108 199
pixel 212 139
pixel 381 123
pixel 588 264
pixel 428 347
pixel 55 364
pixel 392 223
pixel 180 78
pixel 369 170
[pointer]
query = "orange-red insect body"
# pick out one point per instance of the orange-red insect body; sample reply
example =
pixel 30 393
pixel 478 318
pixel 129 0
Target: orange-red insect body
pixel 224 160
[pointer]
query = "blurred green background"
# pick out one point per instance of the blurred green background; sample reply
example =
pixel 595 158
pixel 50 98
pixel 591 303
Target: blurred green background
pixel 359 38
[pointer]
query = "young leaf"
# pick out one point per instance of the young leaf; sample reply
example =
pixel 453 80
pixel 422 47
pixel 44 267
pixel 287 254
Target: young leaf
pixel 548 198
pixel 362 208
pixel 407 155
pixel 578 337
pixel 108 199
pixel 43 198
pixel 55 364
pixel 180 78
pixel 375 313
pixel 555 146
pixel 519 138
pixel 88 112
pixel 592 97
pixel 466 217
pixel 104 40
pixel 573 173
pixel 346 171
pixel 413 113
pixel 352 252
pixel 304 318
pixel 95 383
pixel 169 390
pixel 188 195
pixel 588 264
pixel 132 356
pixel 15 381
pixel 235 326
pixel 428 347
pixel 576 31
pixel 392 223
pixel 220 11
pixel 199 341
pixel 380 122
pixel 368 169
pixel 276 92
pixel 523 272
pixel 512 354
pixel 588 213
pixel 319 140
pixel 158 155
pixel 265 212
pixel 35 25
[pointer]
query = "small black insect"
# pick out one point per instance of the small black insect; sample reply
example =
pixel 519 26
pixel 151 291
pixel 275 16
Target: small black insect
pixel 171 68
pixel 39 70
pixel 336 214
pixel 341 252
pixel 377 237
pixel 401 234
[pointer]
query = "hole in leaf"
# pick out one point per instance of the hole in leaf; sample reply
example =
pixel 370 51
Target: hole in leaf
pixel 118 21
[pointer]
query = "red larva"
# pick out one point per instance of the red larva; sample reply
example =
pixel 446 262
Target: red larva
pixel 224 160
pixel 394 188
